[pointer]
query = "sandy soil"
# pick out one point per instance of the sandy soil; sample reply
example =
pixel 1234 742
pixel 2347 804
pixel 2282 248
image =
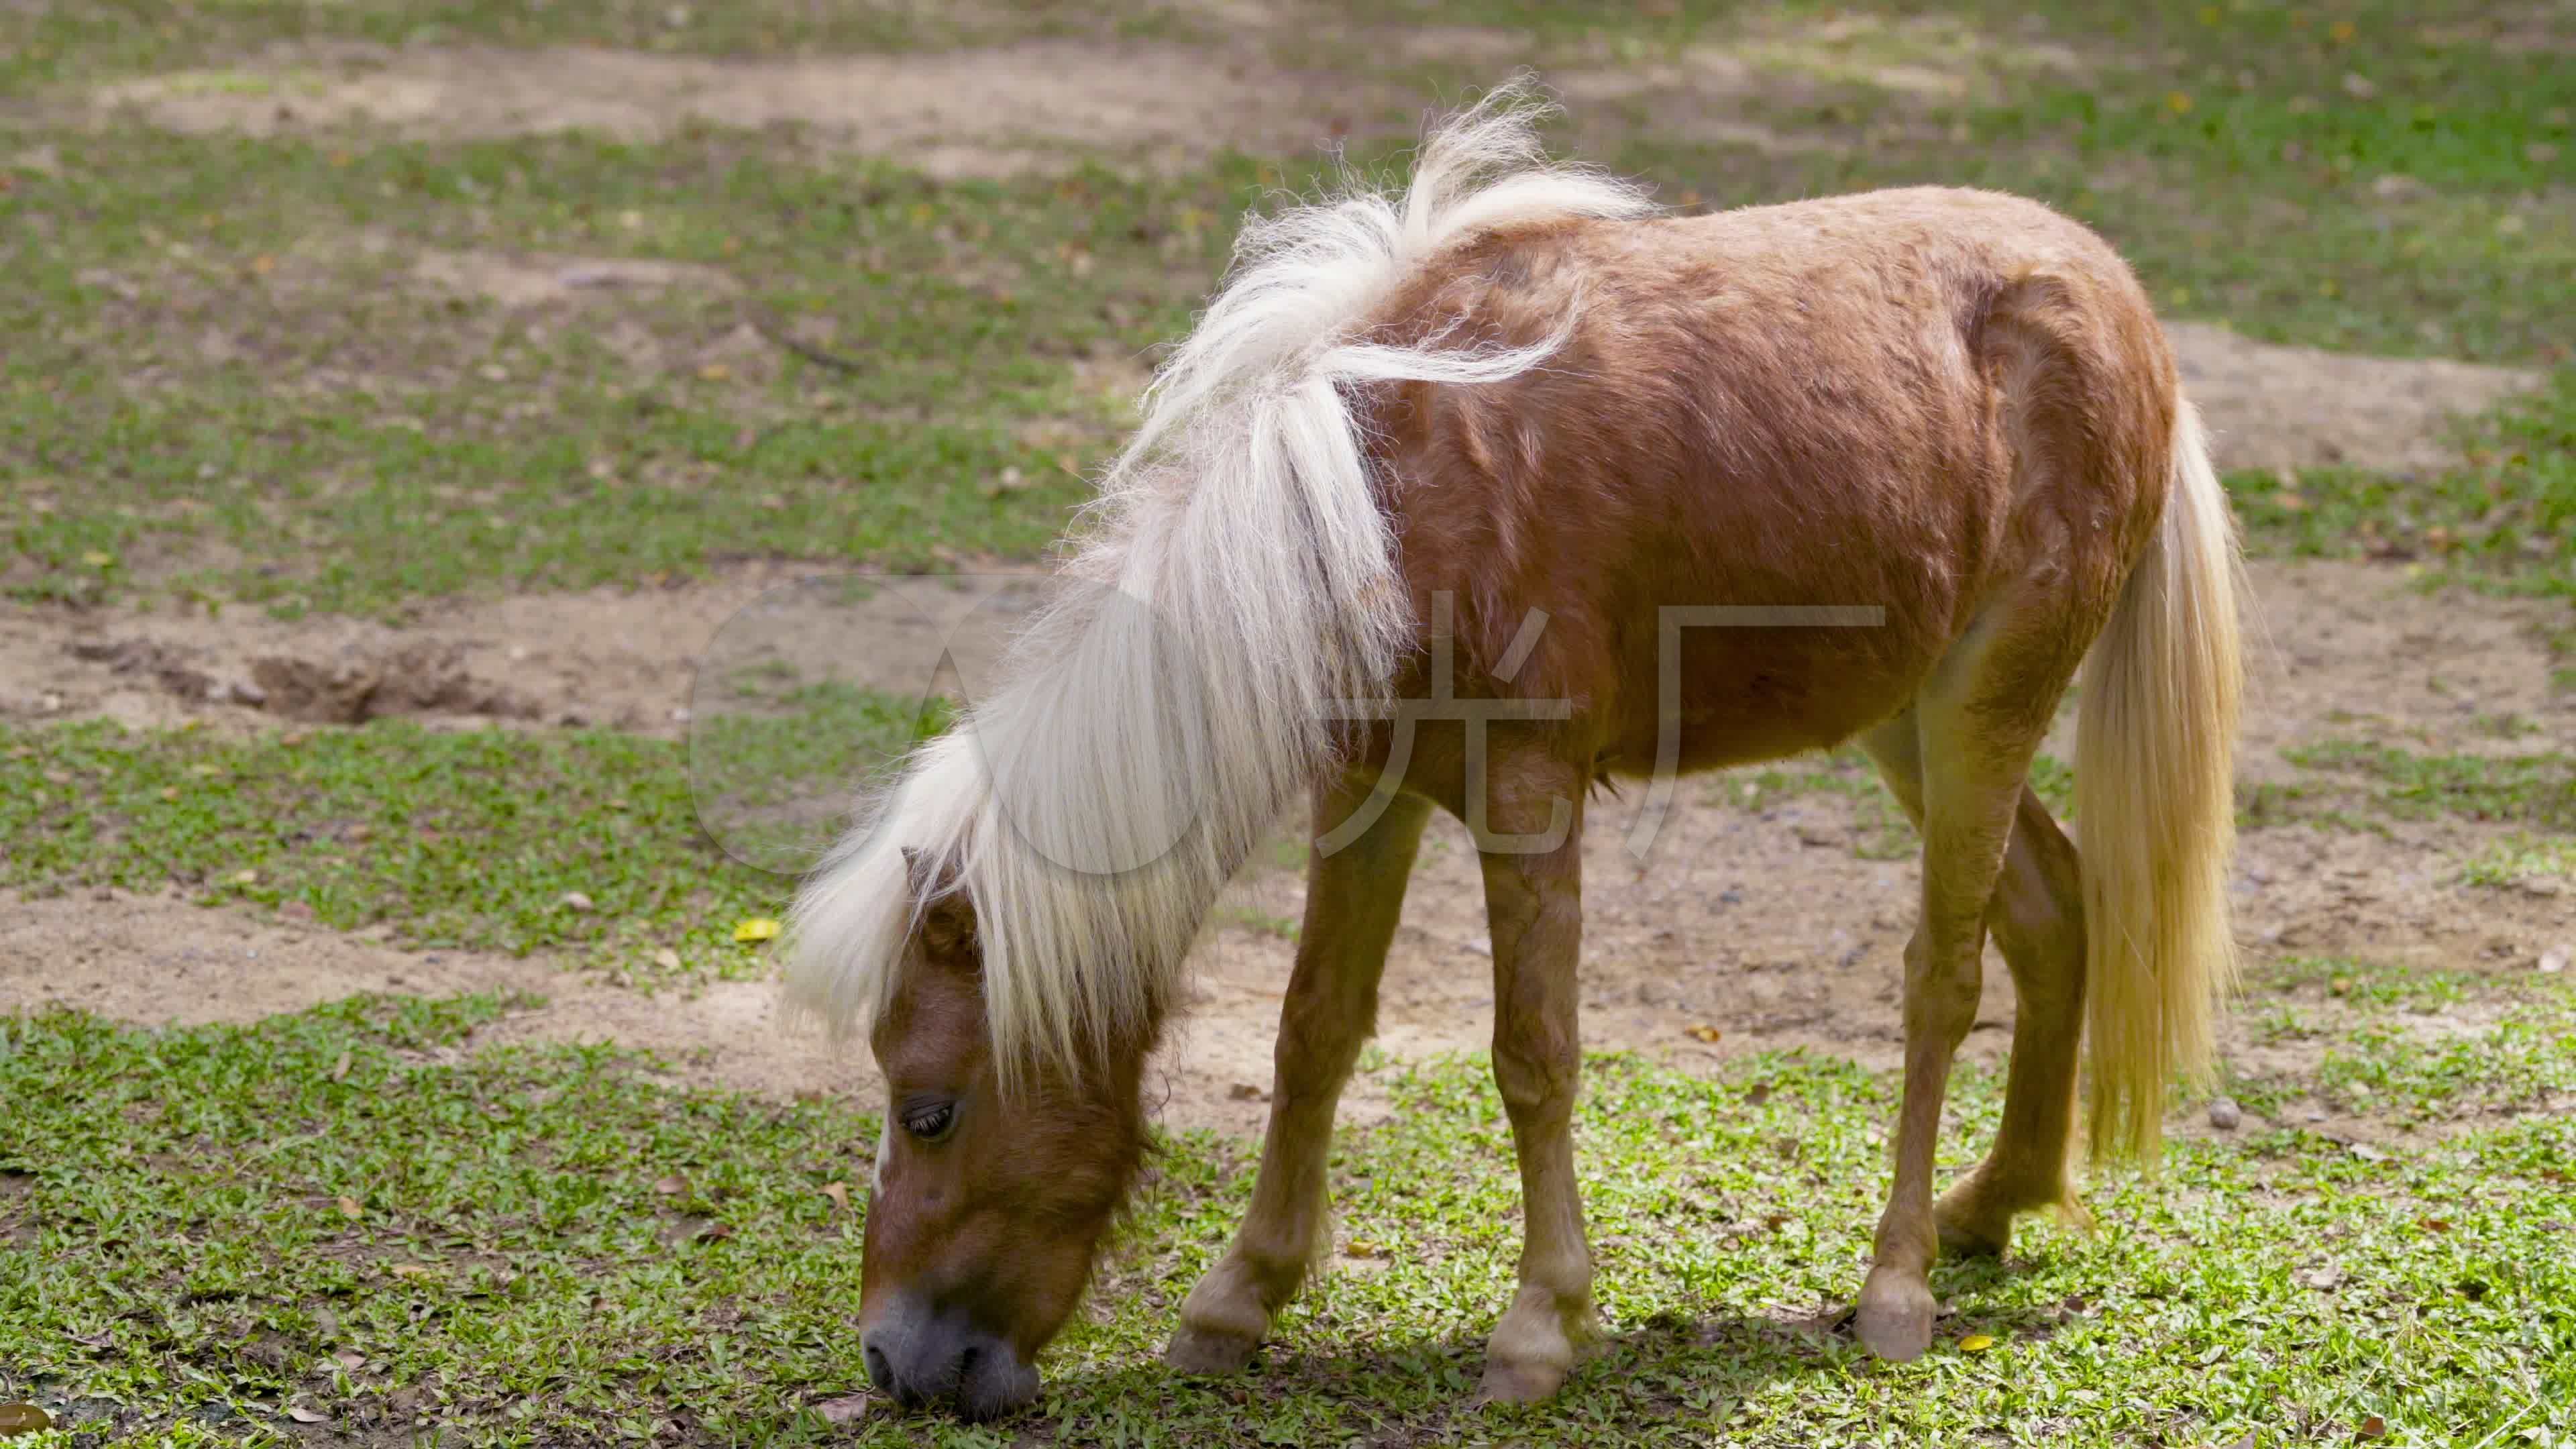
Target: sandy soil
pixel 1000 109
pixel 613 657
pixel 982 112
pixel 158 960
pixel 2298 407
pixel 2341 648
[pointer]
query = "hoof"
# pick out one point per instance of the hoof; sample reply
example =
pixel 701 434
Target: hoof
pixel 1209 1352
pixel 1895 1317
pixel 1519 1383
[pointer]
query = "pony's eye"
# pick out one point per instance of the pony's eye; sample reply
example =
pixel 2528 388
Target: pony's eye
pixel 931 1123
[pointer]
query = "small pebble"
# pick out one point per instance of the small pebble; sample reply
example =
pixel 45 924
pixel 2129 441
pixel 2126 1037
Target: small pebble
pixel 2224 1114
pixel 2553 960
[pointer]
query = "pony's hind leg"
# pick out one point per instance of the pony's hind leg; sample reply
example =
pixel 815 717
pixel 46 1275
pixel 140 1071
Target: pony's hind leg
pixel 1977 725
pixel 1353 897
pixel 2037 917
pixel 1534 912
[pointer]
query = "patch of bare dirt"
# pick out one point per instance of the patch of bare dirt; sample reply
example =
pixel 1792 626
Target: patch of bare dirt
pixel 2296 407
pixel 516 280
pixel 628 658
pixel 605 656
pixel 370 311
pixel 157 960
pixel 983 112
pixel 1720 92
pixel 2342 650
pixel 2355 651
pixel 1769 931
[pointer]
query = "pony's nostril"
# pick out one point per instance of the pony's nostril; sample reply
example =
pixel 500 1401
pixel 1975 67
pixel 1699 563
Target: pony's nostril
pixel 880 1372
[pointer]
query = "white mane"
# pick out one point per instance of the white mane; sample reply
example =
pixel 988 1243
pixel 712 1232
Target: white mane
pixel 1240 579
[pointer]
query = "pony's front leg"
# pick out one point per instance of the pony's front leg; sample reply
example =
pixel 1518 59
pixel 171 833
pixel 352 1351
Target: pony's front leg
pixel 1353 897
pixel 1534 908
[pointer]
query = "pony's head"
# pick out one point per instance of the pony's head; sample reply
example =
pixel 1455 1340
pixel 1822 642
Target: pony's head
pixel 990 1198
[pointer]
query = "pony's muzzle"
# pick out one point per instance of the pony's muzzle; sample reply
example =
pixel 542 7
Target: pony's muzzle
pixel 923 1357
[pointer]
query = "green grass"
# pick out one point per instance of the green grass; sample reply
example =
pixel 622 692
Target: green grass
pixel 50 45
pixel 2219 147
pixel 773 773
pixel 2535 789
pixel 353 439
pixel 546 1247
pixel 470 839
pixel 2523 858
pixel 225 384
pixel 2506 516
pixel 473 838
pixel 2365 984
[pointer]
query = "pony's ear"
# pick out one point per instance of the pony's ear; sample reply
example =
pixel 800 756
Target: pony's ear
pixel 947 915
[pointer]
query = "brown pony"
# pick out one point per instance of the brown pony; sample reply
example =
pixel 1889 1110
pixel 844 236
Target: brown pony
pixel 1475 496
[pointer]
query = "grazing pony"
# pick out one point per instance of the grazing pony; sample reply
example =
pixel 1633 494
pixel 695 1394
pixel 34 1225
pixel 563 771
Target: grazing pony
pixel 1445 503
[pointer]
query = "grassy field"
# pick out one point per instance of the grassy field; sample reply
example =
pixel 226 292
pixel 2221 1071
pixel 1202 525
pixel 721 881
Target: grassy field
pixel 316 1221
pixel 247 375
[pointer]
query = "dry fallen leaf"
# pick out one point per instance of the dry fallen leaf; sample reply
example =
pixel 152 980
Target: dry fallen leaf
pixel 350 1359
pixel 1362 1248
pixel 1702 1032
pixel 574 901
pixel 1977 1343
pixel 410 1270
pixel 340 1068
pixel 349 1207
pixel 667 959
pixel 838 1192
pixel 2373 1427
pixel 245 877
pixel 671 1186
pixel 757 928
pixel 303 1415
pixel 843 1409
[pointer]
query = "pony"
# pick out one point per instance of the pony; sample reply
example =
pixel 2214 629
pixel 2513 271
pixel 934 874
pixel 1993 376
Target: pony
pixel 1478 494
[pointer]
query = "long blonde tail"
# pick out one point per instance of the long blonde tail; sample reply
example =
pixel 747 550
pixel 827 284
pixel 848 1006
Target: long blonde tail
pixel 2155 810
